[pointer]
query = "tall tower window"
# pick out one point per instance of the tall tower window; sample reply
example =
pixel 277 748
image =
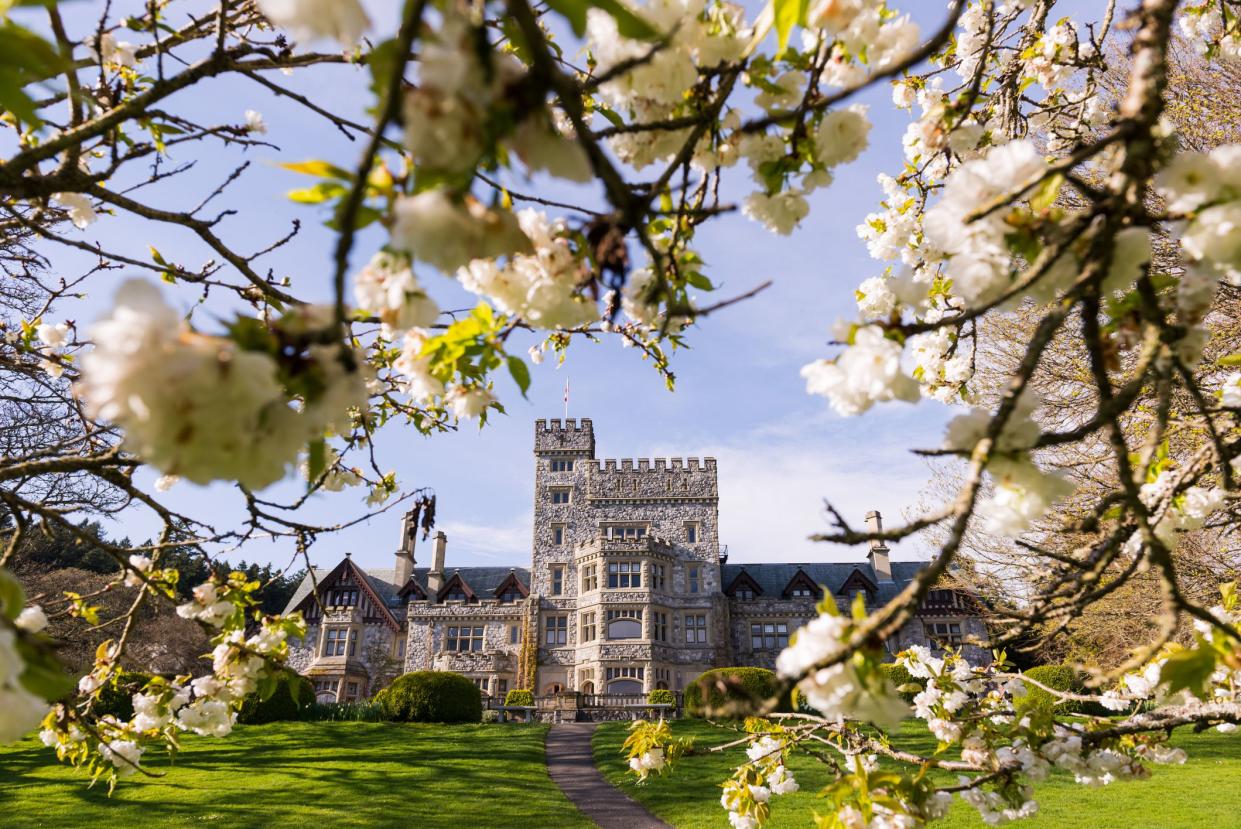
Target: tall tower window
pixel 691 533
pixel 590 578
pixel 562 465
pixel 556 631
pixel 694 577
pixel 695 629
pixel 589 631
pixel 557 581
pixel 562 495
pixel 558 534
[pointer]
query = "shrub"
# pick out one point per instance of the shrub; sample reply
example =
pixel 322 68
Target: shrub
pixel 744 689
pixel 900 677
pixel 117 697
pixel 661 696
pixel 281 705
pixel 342 712
pixel 1058 677
pixel 431 696
pixel 519 696
pixel 491 715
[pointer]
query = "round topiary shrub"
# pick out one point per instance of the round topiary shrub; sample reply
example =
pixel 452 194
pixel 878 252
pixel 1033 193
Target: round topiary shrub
pixel 900 677
pixel 661 696
pixel 519 696
pixel 731 692
pixel 431 696
pixel 117 697
pixel 1059 678
pixel 280 706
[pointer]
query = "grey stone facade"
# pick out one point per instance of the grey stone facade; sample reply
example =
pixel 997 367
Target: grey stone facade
pixel 628 591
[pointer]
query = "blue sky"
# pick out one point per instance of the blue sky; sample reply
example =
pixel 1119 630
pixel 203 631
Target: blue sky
pixel 739 396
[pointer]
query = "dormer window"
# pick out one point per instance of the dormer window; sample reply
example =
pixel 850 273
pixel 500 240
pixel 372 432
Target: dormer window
pixel 456 594
pixel 342 598
pixel 801 592
pixel 745 592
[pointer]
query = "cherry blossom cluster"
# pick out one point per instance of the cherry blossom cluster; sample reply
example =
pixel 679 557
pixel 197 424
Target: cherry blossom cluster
pixel 210 407
pixel 747 794
pixel 241 665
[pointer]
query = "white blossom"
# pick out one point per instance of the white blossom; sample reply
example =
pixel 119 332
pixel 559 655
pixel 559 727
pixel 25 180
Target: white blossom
pixel 32 619
pixel 842 135
pixel 436 229
pixel 468 403
pixel 867 372
pixel 80 208
pixel 343 20
pixel 53 335
pixel 387 288
pixel 255 122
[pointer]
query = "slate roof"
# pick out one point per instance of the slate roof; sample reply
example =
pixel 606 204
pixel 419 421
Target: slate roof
pixel 482 580
pixel 773 578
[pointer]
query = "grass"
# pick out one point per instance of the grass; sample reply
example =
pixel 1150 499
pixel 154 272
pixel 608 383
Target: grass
pixel 1201 793
pixel 306 775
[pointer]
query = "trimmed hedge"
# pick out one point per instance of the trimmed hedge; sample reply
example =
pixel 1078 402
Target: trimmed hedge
pixel 117 697
pixel 280 706
pixel 366 711
pixel 431 696
pixel 1059 677
pixel 661 696
pixel 519 696
pixel 900 676
pixel 748 687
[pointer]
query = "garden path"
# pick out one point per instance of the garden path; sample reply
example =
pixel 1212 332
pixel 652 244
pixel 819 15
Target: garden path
pixel 571 765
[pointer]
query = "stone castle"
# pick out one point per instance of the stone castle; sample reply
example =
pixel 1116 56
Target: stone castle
pixel 629 590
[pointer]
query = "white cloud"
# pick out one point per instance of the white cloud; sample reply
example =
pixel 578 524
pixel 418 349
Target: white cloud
pixel 470 544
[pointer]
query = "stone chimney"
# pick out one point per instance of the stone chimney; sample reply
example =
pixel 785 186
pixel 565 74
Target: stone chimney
pixel 878 555
pixel 405 553
pixel 435 576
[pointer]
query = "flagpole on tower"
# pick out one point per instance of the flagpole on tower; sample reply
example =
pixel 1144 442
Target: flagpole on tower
pixel 566 398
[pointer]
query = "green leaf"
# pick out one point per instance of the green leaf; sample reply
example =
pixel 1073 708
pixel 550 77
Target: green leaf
pixel 627 23
pixel 44 676
pixel 1189 669
pixel 381 61
pixel 1045 195
pixel 316 460
pixel 520 371
pixel 12 597
pixel 315 167
pixel 321 192
pixel 787 14
pixel 699 281
pixel 1229 360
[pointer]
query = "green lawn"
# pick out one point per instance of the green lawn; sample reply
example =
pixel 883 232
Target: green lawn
pixel 307 775
pixel 1202 793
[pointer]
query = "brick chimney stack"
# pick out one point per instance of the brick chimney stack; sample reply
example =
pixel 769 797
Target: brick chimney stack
pixel 435 576
pixel 878 555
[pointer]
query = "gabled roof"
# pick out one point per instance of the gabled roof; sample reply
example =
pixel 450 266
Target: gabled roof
pixel 743 579
pixel 510 583
pixel 773 578
pixel 377 590
pixel 858 579
pixel 455 580
pixel 482 580
pixel 801 579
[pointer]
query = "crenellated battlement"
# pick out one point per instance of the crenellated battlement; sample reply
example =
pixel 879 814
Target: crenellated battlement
pixel 570 436
pixel 651 478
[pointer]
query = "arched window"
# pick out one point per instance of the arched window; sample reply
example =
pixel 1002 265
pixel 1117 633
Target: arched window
pixel 662 685
pixel 625 623
pixel 588 687
pixel 553 688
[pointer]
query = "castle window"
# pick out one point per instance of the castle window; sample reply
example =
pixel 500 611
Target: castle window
pixel 557 581
pixel 624 575
pixel 557 534
pixel 514 633
pixel 464 639
pixel 744 592
pixel 625 680
pixel 661 678
pixel 342 598
pixel 589 630
pixel 351 691
pixel 398 645
pixel 562 465
pixel 334 641
pixel 353 643
pixel 561 495
pixel 509 595
pixel 659 627
pixel 618 531
pixel 769 635
pixel 658 576
pixel 801 591
pixel 943 634
pixel 625 623
pixel 696 629
pixel 455 595
pixel 556 631
pixel 590 578
pixel 691 533
pixel 694 577
pixel 501 688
